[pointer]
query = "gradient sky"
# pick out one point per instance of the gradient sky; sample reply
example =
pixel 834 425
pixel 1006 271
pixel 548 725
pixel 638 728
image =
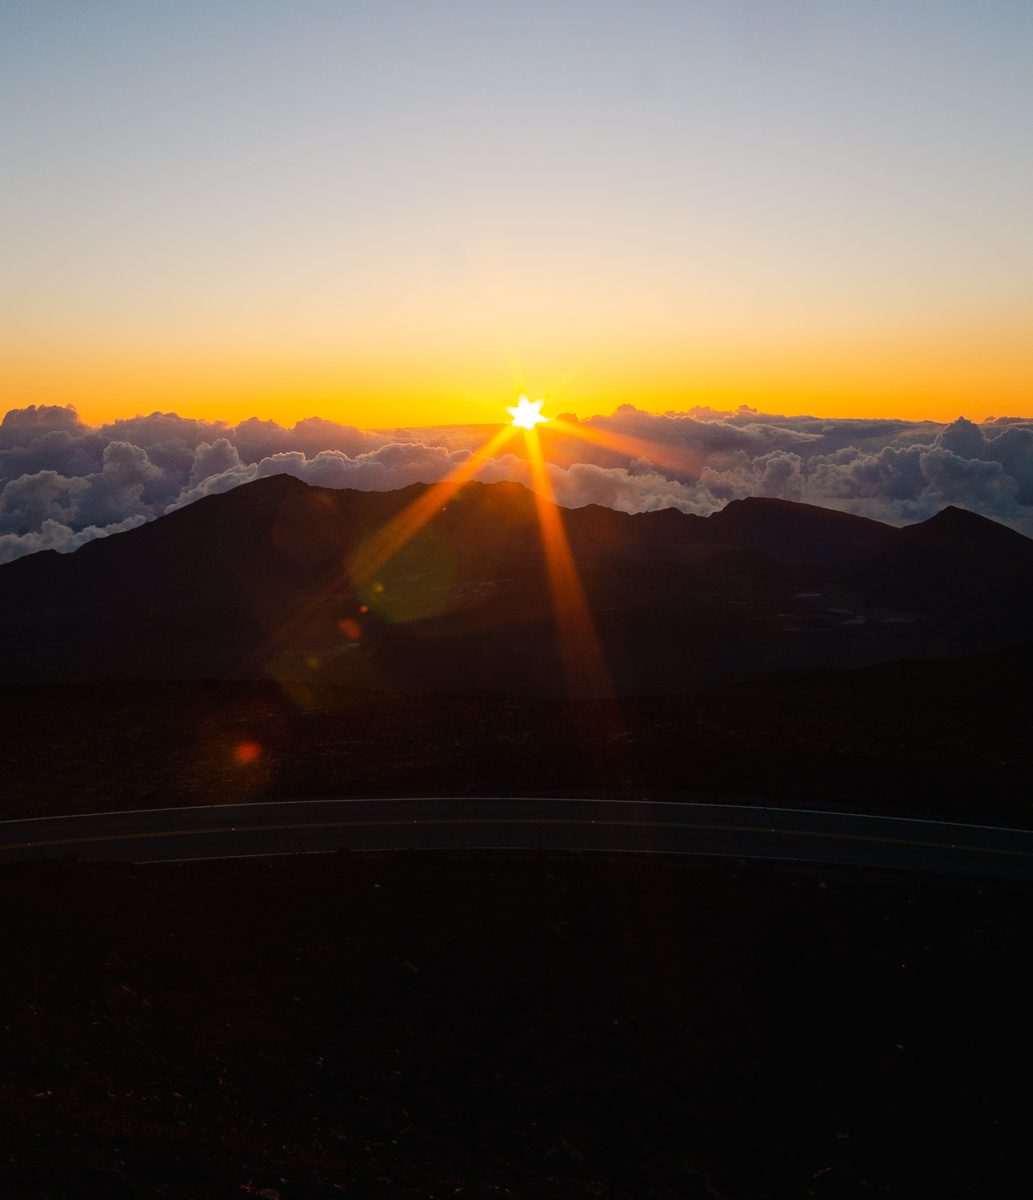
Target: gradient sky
pixel 406 212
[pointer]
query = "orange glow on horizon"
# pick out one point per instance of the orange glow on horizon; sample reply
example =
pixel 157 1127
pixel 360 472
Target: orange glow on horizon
pixel 933 374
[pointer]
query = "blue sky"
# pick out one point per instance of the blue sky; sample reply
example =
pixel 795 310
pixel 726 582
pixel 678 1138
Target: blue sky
pixel 436 203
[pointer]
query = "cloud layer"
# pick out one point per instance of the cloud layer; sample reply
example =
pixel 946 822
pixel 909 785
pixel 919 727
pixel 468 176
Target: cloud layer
pixel 63 483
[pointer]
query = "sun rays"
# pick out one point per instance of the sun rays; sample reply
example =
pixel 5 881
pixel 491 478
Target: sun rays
pixel 628 446
pixel 376 552
pixel 389 540
pixel 583 662
pixel 584 666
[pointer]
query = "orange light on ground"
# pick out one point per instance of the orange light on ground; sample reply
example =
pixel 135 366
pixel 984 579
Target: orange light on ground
pixel 351 629
pixel 583 661
pixel 247 752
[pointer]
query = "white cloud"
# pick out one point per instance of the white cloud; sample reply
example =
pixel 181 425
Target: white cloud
pixel 63 482
pixel 52 535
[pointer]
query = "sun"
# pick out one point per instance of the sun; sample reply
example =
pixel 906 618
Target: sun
pixel 527 413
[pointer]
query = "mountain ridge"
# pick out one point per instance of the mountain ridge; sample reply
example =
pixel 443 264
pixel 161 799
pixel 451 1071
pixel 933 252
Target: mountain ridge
pixel 260 580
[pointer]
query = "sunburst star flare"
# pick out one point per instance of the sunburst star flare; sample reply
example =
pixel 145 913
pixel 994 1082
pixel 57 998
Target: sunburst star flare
pixel 527 414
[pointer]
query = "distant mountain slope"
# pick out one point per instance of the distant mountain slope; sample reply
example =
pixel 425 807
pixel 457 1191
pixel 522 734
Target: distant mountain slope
pixel 260 581
pixel 798 532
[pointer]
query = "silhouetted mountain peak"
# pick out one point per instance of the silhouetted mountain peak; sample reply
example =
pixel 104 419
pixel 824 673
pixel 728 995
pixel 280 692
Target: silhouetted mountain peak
pixel 798 532
pixel 961 528
pixel 952 517
pixel 769 508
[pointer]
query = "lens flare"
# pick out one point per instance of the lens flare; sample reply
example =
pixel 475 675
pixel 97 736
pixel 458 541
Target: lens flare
pixel 247 752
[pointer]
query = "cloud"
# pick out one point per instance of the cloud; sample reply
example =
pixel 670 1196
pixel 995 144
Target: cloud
pixel 395 465
pixel 52 535
pixel 213 458
pixel 63 483
pixel 29 501
pixel 612 487
pixel 24 424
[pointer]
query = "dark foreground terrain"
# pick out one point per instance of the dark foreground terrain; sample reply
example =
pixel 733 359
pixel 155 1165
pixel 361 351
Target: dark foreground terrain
pixel 933 739
pixel 421 1025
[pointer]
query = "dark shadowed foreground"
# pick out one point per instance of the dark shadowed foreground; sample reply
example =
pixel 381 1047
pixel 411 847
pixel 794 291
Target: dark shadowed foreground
pixel 422 1025
pixel 947 740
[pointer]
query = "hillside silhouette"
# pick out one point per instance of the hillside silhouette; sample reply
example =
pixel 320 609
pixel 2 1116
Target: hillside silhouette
pixel 264 581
